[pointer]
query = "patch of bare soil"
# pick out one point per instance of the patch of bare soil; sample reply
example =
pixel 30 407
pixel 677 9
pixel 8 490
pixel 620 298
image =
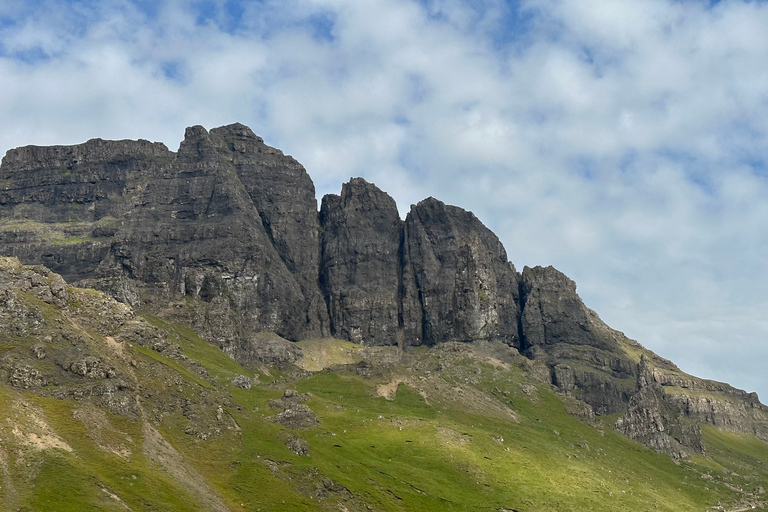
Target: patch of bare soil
pixel 160 451
pixel 388 390
pixel 116 347
pixel 32 431
pixel 102 432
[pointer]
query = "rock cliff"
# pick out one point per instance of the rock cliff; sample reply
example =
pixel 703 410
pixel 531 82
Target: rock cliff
pixel 360 270
pixel 227 222
pixel 224 235
pixel 458 284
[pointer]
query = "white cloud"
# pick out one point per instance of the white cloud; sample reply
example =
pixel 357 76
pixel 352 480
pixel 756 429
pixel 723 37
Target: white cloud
pixel 622 141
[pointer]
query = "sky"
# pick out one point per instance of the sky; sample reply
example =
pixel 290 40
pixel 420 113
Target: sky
pixel 622 141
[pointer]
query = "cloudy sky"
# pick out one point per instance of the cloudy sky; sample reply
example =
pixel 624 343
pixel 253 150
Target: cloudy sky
pixel 622 141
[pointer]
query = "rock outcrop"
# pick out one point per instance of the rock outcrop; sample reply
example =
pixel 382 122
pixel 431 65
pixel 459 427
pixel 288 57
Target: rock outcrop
pixel 360 269
pixel 284 195
pixel 227 222
pixel 585 356
pixel 231 225
pixel 225 236
pixel 554 314
pixel 458 284
pixel 657 423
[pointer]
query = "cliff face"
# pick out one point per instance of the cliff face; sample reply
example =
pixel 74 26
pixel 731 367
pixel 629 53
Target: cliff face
pixel 458 283
pixel 225 236
pixel 360 270
pixel 226 220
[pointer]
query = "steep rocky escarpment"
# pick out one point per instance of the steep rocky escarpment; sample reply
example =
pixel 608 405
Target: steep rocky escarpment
pixel 284 195
pixel 198 234
pixel 553 313
pixel 458 284
pixel 656 422
pixel 360 270
pixel 225 236
pixel 151 226
pixel 61 205
pixel 585 357
pixel 714 403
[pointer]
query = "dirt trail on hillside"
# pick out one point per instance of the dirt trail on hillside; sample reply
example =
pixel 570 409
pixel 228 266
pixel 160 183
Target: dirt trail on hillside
pixel 11 495
pixel 160 451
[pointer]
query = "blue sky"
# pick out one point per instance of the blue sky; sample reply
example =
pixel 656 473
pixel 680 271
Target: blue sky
pixel 622 141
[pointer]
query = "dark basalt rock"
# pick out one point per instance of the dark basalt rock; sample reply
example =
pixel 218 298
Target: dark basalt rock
pixel 266 348
pixel 553 313
pixel 225 236
pixel 284 196
pixel 583 354
pixel 227 220
pixel 655 422
pixel 713 403
pixel 59 202
pixel 457 282
pixel 79 183
pixel 296 417
pixel 360 263
pixel 604 393
pixel 199 234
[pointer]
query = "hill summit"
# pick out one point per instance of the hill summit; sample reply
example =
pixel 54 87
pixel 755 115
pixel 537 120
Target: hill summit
pixel 224 237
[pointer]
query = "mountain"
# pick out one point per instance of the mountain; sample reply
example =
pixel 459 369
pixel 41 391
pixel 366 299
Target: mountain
pixel 243 347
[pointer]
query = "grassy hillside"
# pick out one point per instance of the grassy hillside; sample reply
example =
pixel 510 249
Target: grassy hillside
pixel 457 427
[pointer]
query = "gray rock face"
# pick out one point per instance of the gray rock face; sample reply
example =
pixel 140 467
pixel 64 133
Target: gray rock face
pixel 655 422
pixel 360 265
pixel 60 204
pixel 227 221
pixel 199 234
pixel 284 196
pixel 225 236
pixel 232 224
pixel 601 390
pixel 266 348
pixel 76 183
pixel 583 353
pixel 714 403
pixel 553 313
pixel 457 284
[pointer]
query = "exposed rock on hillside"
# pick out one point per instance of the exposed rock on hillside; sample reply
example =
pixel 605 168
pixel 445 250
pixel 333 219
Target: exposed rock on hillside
pixel 225 236
pixel 553 313
pixel 655 422
pixel 360 268
pixel 70 342
pixel 228 221
pixel 458 284
pixel 284 195
pixel 584 355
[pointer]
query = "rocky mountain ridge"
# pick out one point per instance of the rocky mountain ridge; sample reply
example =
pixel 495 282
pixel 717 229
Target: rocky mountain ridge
pixel 224 236
pixel 108 409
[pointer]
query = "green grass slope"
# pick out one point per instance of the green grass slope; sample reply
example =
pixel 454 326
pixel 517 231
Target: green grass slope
pixel 458 427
